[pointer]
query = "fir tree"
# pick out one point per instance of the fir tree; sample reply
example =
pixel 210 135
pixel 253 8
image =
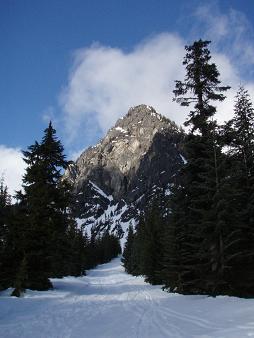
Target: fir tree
pixel 239 134
pixel 46 201
pixel 200 178
pixel 5 197
pixel 128 251
pixel 143 251
pixel 202 83
pixel 5 214
pixel 173 252
pixel 137 248
pixel 239 137
pixel 150 264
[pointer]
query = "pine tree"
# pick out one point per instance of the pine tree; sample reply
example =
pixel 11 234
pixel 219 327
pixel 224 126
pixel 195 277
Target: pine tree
pixel 239 133
pixel 5 214
pixel 143 250
pixel 202 83
pixel 134 253
pixel 128 251
pixel 46 200
pixel 239 137
pixel 5 197
pixel 151 263
pixel 173 251
pixel 200 178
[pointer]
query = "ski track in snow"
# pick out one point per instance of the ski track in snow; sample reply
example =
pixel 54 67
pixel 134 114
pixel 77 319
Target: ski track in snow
pixel 108 303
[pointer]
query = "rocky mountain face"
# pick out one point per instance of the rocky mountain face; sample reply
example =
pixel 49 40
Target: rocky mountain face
pixel 114 180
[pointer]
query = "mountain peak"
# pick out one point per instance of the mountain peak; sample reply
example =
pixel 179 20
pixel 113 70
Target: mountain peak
pixel 139 154
pixel 141 114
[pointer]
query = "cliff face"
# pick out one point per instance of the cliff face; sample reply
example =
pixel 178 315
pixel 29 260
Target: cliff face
pixel 114 180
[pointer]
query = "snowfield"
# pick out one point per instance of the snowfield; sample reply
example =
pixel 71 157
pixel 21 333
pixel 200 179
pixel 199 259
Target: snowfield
pixel 109 303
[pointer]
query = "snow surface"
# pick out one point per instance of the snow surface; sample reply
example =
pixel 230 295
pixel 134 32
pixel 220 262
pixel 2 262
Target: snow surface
pixel 183 159
pixel 99 191
pixel 108 303
pixel 121 129
pixel 111 214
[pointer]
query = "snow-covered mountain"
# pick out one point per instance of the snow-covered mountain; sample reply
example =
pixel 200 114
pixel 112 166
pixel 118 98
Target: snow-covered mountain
pixel 115 179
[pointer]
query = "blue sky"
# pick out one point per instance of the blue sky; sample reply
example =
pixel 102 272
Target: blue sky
pixel 82 63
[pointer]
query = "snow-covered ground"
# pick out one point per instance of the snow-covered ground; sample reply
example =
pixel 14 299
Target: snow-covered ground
pixel 109 303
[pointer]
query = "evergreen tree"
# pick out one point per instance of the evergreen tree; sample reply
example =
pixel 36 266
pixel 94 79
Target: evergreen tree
pixel 239 134
pixel 109 247
pixel 5 214
pixel 200 177
pixel 143 250
pixel 128 251
pixel 239 137
pixel 5 198
pixel 152 253
pixel 46 200
pixel 173 252
pixel 135 249
pixel 203 84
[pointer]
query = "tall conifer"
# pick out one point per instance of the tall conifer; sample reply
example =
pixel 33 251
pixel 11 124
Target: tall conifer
pixel 5 214
pixel 239 137
pixel 46 203
pixel 200 180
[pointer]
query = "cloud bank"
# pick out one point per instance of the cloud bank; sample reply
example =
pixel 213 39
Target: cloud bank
pixel 12 168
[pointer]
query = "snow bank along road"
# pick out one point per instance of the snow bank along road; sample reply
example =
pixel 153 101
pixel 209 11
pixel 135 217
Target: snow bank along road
pixel 109 303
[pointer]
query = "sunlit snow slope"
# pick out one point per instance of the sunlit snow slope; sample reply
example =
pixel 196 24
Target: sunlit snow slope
pixel 109 303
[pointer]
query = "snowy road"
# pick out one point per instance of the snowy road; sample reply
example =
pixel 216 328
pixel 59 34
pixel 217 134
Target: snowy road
pixel 109 303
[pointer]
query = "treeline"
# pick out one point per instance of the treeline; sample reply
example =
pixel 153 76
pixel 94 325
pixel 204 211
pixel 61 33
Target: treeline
pixel 39 238
pixel 205 244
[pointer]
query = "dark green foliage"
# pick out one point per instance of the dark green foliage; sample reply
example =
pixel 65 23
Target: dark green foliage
pixel 143 250
pixel 200 86
pixel 238 135
pixel 197 227
pixel 102 248
pixel 5 215
pixel 150 263
pixel 128 251
pixel 238 132
pixel 46 201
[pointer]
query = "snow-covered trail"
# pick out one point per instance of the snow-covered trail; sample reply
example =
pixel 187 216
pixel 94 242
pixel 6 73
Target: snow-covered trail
pixel 109 303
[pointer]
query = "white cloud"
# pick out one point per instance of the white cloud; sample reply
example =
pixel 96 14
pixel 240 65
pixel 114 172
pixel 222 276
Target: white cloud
pixel 230 30
pixel 12 167
pixel 105 82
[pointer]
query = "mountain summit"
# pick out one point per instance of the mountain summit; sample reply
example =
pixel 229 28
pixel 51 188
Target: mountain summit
pixel 115 179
